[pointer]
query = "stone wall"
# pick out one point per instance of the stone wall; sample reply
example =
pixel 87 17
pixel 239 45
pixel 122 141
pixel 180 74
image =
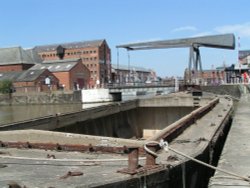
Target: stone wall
pixel 232 90
pixel 40 98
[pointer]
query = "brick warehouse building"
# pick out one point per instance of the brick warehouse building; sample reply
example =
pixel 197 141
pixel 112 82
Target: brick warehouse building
pixel 15 59
pixel 95 55
pixel 71 73
pixel 31 80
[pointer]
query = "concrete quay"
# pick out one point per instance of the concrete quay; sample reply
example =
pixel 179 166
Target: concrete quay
pixel 235 155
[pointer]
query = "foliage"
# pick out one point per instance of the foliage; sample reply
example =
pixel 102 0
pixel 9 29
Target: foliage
pixel 5 86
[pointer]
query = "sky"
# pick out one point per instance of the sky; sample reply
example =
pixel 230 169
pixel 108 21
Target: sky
pixel 28 23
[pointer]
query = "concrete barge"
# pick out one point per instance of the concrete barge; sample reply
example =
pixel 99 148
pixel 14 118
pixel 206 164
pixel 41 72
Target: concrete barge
pixel 114 155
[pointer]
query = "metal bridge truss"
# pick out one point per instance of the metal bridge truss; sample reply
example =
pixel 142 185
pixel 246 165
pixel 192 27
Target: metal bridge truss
pixel 225 41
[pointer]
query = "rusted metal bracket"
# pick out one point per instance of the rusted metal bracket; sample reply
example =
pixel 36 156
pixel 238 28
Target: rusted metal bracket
pixel 68 147
pixel 150 165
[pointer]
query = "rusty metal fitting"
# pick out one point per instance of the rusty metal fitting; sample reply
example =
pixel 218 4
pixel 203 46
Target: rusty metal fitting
pixel 133 158
pixel 150 158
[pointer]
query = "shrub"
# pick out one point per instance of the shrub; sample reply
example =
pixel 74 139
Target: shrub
pixel 6 86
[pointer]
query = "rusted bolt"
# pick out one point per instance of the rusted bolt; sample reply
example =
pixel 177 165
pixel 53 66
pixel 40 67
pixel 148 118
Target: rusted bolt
pixel 28 145
pixel 125 149
pixel 2 144
pixel 133 154
pixel 58 147
pixel 150 158
pixel 91 149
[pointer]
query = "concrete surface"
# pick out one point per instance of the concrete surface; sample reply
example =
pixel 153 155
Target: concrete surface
pixel 236 153
pixel 98 95
pixel 42 172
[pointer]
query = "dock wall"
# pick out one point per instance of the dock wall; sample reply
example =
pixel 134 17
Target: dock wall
pixel 40 98
pixel 232 90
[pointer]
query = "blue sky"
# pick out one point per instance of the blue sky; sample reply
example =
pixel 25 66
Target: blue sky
pixel 28 23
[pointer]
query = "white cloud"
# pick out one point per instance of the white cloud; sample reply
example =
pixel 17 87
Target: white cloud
pixel 206 33
pixel 184 28
pixel 242 30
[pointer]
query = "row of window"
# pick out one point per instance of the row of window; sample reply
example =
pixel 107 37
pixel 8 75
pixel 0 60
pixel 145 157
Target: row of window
pixel 91 65
pixel 47 55
pixel 81 52
pixel 70 53
pixel 89 59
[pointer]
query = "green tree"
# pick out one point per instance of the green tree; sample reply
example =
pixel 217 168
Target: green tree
pixel 6 86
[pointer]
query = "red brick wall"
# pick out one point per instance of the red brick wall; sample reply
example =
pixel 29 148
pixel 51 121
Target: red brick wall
pixel 17 67
pixel 64 79
pixel 77 73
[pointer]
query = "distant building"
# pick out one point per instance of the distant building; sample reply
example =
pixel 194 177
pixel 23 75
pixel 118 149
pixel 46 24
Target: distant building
pixel 244 57
pixel 207 77
pixel 95 55
pixel 131 74
pixel 15 59
pixel 71 73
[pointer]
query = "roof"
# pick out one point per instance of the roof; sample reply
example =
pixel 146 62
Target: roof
pixel 34 55
pixel 23 76
pixel 56 66
pixel 62 60
pixel 29 75
pixel 14 55
pixel 132 68
pixel 81 44
pixel 9 75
